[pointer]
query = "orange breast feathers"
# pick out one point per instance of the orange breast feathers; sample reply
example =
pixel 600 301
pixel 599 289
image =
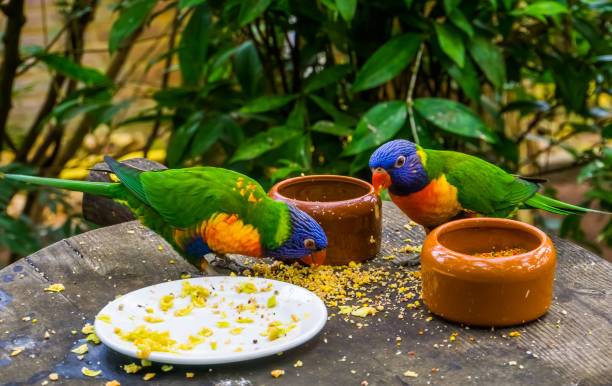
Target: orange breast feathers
pixel 225 233
pixel 431 206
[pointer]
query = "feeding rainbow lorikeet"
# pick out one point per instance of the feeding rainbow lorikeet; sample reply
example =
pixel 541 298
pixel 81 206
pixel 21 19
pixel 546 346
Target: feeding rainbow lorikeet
pixel 434 186
pixel 205 209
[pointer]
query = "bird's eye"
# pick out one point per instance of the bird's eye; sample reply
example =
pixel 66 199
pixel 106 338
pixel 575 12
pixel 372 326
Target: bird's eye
pixel 310 244
pixel 401 160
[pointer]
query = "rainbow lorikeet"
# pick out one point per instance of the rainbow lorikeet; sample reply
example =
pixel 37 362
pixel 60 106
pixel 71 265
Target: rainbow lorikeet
pixel 433 186
pixel 205 209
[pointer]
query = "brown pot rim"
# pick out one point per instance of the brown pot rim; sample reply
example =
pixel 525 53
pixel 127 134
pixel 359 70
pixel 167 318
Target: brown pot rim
pixel 324 177
pixel 488 222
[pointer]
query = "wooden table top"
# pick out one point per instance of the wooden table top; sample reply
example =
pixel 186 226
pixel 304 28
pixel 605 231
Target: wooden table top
pixel 571 344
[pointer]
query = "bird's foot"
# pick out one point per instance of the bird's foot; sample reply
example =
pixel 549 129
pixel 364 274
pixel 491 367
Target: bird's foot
pixel 222 265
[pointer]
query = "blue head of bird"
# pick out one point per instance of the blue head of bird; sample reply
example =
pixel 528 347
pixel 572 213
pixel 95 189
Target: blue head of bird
pixel 397 165
pixel 307 240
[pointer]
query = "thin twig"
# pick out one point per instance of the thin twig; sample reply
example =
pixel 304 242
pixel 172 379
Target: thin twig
pixel 164 83
pixel 532 125
pixel 277 55
pixel 409 101
pixel 266 68
pixel 51 43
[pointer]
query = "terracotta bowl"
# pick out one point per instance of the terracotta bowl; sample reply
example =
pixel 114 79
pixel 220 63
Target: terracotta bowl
pixel 493 291
pixel 347 208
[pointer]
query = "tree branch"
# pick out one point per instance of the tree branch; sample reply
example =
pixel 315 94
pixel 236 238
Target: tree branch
pixel 409 101
pixel 16 19
pixel 164 84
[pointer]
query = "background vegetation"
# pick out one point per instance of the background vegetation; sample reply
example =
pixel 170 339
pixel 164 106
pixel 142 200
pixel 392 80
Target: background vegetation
pixel 274 88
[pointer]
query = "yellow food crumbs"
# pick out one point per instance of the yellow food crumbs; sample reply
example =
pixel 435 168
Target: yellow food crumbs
pixel 411 374
pixel 16 351
pixel 82 349
pixel 149 310
pixel 171 262
pixel 238 349
pixel 90 373
pixel 515 334
pixel 277 373
pixel 87 329
pixel 272 302
pixel 153 319
pixel 160 248
pixel 104 318
pixel 197 292
pixel 236 331
pixel 298 364
pixel 73 332
pixel 295 318
pixel 148 376
pixel 55 288
pixel 189 375
pixel 114 382
pixel 185 311
pixel 223 324
pixel 166 368
pixel 452 337
pixel 193 341
pixel 54 376
pixel 185 276
pixel 131 368
pixel 147 341
pixel 93 338
pixel 206 332
pixel 246 287
pixel 277 330
pixel 244 320
pixel 166 302
pixel 213 345
pixel 145 362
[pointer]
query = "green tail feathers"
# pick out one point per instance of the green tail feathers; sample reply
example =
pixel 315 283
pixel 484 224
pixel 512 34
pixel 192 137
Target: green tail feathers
pixel 542 202
pixel 106 189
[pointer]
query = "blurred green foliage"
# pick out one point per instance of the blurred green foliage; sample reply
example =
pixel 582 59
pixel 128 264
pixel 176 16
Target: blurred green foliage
pixel 275 88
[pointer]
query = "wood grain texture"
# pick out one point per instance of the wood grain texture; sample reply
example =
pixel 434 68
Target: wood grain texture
pixel 98 265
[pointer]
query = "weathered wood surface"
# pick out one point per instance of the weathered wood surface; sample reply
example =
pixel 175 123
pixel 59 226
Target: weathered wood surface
pixel 103 211
pixel 571 344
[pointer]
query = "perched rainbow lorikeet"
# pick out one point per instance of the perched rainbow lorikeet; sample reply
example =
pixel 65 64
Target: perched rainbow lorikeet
pixel 434 186
pixel 205 209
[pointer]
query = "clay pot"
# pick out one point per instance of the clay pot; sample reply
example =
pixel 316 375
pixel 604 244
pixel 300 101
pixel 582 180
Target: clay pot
pixel 347 208
pixel 494 291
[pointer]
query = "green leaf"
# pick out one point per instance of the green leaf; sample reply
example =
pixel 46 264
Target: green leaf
pixel 607 131
pixel 89 76
pixel 194 44
pixel 377 126
pixel 180 140
pixel 130 19
pixel 451 43
pixel 338 116
pixel 208 133
pixel 189 3
pixel 454 117
pixel 263 142
pixel 266 103
pixel 540 9
pixel 326 77
pixel 459 19
pixel 359 163
pixel 347 9
pixel 451 5
pixel 490 60
pixel 250 9
pixel 467 77
pixel 248 69
pixel 297 117
pixel 329 127
pixel 388 61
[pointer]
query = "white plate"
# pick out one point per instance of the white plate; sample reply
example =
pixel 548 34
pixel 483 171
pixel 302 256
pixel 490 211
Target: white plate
pixel 128 311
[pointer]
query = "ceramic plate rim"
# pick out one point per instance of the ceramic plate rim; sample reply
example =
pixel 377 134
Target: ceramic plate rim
pixel 164 357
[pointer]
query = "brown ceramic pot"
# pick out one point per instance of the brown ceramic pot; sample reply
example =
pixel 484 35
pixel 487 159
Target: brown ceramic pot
pixel 494 291
pixel 347 208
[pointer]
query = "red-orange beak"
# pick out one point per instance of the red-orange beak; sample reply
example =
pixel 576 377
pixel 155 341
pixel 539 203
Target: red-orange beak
pixel 315 259
pixel 380 179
